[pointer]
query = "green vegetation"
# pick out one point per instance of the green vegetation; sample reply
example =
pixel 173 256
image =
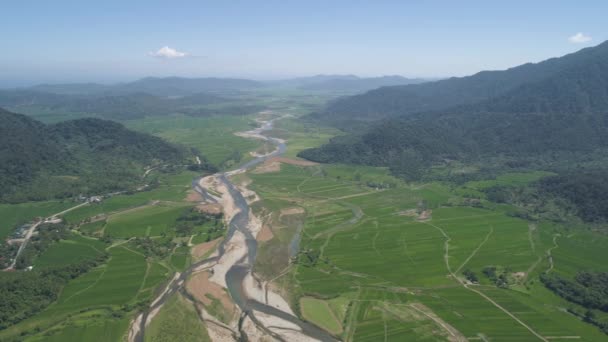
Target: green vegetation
pixel 588 289
pixel 153 220
pixel 586 190
pixel 536 116
pixel 213 136
pixel 69 251
pixel 26 293
pixel 85 156
pixel 318 312
pixel 176 321
pixel 379 253
pixel 13 215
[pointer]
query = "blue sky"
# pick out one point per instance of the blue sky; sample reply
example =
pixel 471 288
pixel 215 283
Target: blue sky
pixel 107 41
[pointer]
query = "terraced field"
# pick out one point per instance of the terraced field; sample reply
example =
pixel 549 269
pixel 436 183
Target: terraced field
pixel 398 257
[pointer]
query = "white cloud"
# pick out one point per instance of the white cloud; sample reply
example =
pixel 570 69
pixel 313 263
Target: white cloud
pixel 579 38
pixel 167 52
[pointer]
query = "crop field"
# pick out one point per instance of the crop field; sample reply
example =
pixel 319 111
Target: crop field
pixel 318 312
pixel 366 246
pixel 70 251
pixel 108 286
pixel 150 220
pixel 116 284
pixel 12 215
pixel 212 136
pixel 177 321
pixel 98 327
pixel 301 135
pixel 173 187
pixel 180 258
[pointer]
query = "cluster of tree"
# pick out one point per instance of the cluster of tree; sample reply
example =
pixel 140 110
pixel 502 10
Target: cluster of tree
pixel 309 257
pixel 471 276
pixel 581 193
pixel 192 218
pixel 587 191
pixel 47 234
pixel 84 156
pixel 590 317
pixel 7 253
pixel 526 113
pixel 588 289
pixel 500 278
pixel 161 247
pixel 26 293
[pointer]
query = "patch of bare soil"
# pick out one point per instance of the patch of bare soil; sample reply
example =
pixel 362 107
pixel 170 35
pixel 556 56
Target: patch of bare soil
pixel 201 249
pixel 268 167
pixel 519 275
pixel 409 212
pixel 274 164
pixel 211 208
pixel 425 215
pixel 200 286
pixel 291 211
pixel 265 234
pixel 194 196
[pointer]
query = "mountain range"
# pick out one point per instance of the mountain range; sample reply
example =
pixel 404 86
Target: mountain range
pixel 559 105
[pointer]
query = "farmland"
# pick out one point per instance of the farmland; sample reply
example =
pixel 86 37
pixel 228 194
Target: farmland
pixel 177 321
pixel 212 136
pixel 356 251
pixel 398 254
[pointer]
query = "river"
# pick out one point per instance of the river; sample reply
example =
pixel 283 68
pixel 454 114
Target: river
pixel 236 275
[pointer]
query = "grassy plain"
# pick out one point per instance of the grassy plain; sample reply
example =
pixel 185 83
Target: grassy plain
pixel 177 321
pixel 318 312
pixel 212 136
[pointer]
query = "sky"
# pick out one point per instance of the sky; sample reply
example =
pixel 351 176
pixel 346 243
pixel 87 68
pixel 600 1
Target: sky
pixel 112 41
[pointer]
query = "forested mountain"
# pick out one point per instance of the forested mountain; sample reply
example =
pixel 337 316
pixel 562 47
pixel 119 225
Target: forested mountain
pixel 160 86
pixel 409 99
pixel 119 107
pixel 564 110
pixel 85 156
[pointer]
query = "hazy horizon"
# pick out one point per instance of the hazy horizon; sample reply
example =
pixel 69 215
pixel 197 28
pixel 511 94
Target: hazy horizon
pixel 110 42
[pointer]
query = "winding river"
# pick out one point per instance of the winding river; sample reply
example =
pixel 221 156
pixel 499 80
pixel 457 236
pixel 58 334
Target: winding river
pixel 236 275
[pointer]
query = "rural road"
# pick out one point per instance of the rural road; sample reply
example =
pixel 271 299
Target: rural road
pixel 31 231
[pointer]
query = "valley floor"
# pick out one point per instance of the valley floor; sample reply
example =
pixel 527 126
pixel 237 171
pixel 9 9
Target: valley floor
pixel 358 253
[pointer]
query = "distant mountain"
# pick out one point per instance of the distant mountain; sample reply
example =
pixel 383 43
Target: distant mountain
pixel 348 84
pixel 357 85
pixel 404 100
pixel 85 156
pixel 121 107
pixel 179 86
pixel 159 86
pixel 316 79
pixel 71 88
pixel 560 105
